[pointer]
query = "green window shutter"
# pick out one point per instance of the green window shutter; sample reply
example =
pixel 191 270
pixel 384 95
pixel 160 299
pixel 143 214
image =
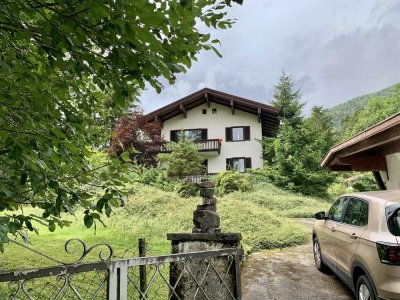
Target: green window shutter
pixel 228 134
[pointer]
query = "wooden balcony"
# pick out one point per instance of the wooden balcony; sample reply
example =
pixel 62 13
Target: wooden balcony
pixel 213 145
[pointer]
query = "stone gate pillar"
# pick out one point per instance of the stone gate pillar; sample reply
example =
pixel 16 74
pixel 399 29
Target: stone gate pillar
pixel 206 236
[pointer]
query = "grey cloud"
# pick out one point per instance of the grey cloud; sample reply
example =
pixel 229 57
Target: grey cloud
pixel 336 50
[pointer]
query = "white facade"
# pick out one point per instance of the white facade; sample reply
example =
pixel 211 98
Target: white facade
pixel 392 176
pixel 216 123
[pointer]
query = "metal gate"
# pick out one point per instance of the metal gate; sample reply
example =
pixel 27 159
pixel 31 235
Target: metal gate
pixel 201 275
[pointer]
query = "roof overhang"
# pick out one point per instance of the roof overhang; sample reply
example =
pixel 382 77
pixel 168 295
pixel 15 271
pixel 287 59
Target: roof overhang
pixel 267 115
pixel 366 151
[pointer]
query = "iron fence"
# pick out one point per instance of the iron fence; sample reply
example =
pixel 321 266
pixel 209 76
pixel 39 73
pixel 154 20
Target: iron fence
pixel 197 275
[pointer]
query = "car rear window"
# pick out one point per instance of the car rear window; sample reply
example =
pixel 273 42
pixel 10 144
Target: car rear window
pixel 393 219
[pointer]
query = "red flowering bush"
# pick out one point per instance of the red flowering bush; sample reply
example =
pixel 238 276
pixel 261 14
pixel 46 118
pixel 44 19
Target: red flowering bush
pixel 133 133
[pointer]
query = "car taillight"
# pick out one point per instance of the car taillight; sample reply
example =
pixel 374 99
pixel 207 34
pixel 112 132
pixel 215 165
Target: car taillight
pixel 389 253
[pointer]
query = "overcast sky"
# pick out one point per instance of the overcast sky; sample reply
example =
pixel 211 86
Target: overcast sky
pixel 335 50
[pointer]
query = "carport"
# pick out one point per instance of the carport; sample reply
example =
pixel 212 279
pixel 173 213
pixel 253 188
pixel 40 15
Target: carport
pixel 376 149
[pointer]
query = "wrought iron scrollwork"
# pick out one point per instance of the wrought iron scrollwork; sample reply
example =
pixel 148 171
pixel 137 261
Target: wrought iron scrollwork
pixel 74 246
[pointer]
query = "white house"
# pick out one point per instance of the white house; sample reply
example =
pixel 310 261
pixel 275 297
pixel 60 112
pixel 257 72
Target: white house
pixel 226 128
pixel 376 149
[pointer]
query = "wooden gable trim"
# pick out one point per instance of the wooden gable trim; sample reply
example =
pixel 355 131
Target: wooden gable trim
pixel 183 110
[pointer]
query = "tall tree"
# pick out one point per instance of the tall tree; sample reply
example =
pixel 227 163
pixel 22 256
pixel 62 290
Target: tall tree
pixel 287 99
pixel 293 157
pixel 298 152
pixel 65 66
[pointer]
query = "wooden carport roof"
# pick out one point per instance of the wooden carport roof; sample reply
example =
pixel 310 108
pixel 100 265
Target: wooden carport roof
pixel 267 115
pixel 366 151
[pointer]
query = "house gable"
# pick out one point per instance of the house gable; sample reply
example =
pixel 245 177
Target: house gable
pixel 266 115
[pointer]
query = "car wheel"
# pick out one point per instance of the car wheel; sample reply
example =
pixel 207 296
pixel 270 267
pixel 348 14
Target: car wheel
pixel 364 289
pixel 318 257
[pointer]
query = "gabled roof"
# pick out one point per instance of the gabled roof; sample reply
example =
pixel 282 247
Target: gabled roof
pixel 366 151
pixel 268 115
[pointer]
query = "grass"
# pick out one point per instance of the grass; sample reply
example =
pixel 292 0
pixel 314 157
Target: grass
pixel 263 217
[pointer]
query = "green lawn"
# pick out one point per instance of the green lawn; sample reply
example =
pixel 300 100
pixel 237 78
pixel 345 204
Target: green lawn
pixel 263 217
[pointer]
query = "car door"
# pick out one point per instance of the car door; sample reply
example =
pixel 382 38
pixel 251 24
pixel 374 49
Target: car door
pixel 348 232
pixel 327 236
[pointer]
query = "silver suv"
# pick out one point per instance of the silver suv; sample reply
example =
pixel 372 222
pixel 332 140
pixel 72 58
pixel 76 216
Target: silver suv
pixel 359 240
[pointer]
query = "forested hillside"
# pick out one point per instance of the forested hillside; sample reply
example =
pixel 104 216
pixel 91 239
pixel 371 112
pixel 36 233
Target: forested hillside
pixel 346 109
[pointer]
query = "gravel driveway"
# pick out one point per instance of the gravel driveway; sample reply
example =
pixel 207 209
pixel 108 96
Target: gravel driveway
pixel 289 274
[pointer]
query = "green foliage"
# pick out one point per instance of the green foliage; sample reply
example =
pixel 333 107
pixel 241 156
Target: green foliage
pixel 377 110
pixel 67 70
pixel 230 181
pixel 338 188
pixel 292 159
pixel 184 159
pixel 156 177
pixel 262 216
pixel 288 101
pixel 186 189
pixel 364 183
pixel 348 108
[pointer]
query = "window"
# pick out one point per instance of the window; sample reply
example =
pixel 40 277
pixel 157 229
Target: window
pixel 336 211
pixel 204 111
pixel 192 134
pixel 214 111
pixel 393 219
pixel 237 134
pixel 356 213
pixel 239 164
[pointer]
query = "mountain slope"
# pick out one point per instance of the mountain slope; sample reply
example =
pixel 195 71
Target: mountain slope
pixel 348 108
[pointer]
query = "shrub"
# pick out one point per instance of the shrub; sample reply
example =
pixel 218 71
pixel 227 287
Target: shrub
pixel 338 188
pixel 186 189
pixel 183 160
pixel 230 181
pixel 364 183
pixel 156 177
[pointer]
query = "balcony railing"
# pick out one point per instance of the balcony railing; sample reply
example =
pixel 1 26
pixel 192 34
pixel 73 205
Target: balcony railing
pixel 213 145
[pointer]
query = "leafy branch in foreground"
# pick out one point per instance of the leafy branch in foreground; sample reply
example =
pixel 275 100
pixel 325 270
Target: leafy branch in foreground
pixel 67 70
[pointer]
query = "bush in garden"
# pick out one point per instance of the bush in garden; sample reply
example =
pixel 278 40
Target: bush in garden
pixel 156 177
pixel 184 159
pixel 365 183
pixel 186 189
pixel 230 181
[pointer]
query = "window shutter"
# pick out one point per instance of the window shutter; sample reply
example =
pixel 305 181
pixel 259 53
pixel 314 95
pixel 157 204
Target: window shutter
pixel 228 134
pixel 173 136
pixel 204 134
pixel 247 163
pixel 229 163
pixel 247 133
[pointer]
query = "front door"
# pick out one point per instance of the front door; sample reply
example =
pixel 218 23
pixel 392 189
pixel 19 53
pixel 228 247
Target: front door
pixel 327 241
pixel 347 235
